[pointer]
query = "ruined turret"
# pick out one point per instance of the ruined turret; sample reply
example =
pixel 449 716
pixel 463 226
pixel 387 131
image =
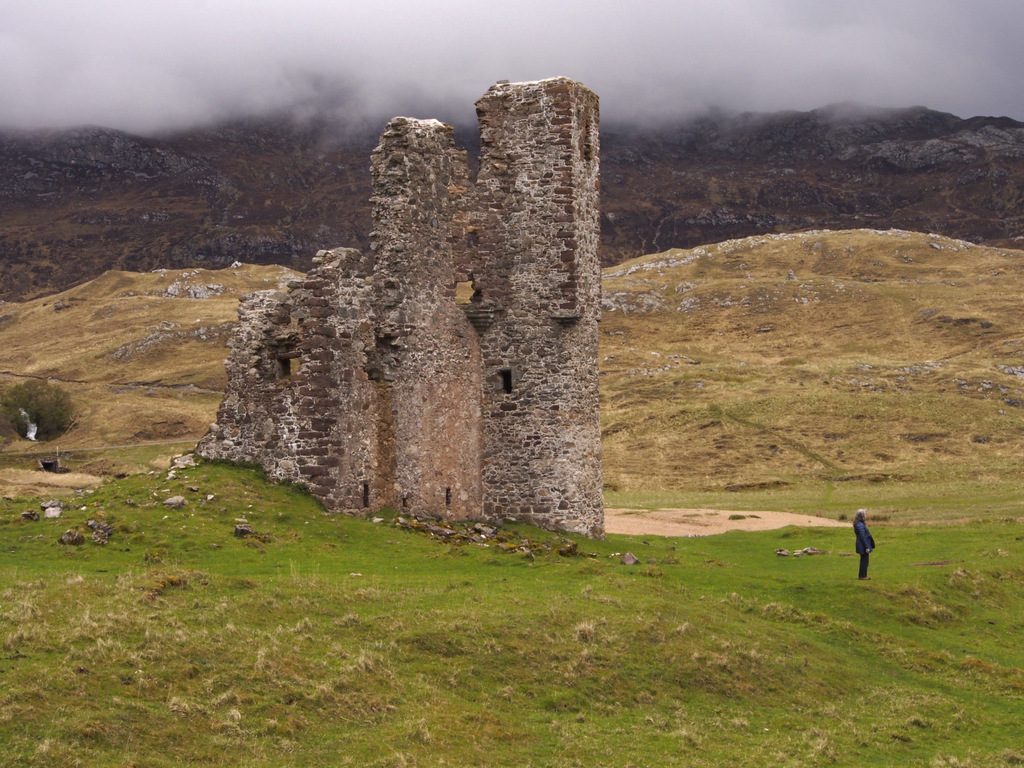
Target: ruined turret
pixel 457 376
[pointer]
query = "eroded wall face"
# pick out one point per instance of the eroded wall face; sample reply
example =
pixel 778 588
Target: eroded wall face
pixel 380 390
pixel 429 354
pixel 256 422
pixel 299 401
pixel 532 249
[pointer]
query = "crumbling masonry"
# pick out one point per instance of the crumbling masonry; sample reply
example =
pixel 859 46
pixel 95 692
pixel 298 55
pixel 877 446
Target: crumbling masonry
pixel 454 372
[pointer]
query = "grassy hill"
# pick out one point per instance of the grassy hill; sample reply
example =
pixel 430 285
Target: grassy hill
pixel 329 641
pixel 810 372
pixel 141 353
pixel 818 370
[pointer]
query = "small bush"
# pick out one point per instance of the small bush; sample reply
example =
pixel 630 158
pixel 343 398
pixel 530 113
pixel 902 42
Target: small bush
pixel 7 430
pixel 46 405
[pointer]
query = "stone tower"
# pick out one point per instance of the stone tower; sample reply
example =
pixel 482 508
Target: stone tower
pixel 454 373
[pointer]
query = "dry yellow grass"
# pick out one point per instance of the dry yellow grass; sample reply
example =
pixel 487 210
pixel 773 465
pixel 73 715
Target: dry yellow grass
pixel 824 355
pixel 758 363
pixel 24 482
pixel 141 353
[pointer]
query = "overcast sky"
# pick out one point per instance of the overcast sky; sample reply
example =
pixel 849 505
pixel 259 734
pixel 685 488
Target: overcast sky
pixel 142 65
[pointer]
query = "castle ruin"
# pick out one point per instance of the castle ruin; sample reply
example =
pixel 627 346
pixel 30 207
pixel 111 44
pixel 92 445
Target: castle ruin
pixel 452 372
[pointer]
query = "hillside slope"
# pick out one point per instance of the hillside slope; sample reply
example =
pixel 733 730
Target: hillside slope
pixel 858 358
pixel 141 353
pixel 819 357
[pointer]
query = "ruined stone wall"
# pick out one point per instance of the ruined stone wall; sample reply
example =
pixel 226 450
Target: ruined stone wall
pixel 338 450
pixel 299 401
pixel 429 352
pixel 255 417
pixel 535 230
pixel 376 388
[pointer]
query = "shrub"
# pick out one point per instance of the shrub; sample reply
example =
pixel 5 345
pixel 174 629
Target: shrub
pixel 7 432
pixel 46 405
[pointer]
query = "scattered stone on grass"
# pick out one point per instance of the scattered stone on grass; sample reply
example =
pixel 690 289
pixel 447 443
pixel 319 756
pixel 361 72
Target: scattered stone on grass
pixel 52 509
pixel 175 502
pixel 30 514
pixel 800 552
pixel 101 531
pixel 71 538
pixel 569 549
pixel 186 460
pixel 485 535
pixel 629 559
pixel 244 530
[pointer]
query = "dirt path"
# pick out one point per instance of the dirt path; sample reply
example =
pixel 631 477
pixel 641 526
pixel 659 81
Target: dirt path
pixel 703 522
pixel 32 483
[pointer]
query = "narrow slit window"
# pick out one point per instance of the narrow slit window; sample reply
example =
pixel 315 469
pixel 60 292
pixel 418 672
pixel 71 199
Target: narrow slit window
pixel 284 367
pixel 447 497
pixel 506 380
pixel 366 494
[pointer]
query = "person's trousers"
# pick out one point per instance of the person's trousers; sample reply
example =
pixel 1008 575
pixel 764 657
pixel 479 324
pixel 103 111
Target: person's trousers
pixel 863 566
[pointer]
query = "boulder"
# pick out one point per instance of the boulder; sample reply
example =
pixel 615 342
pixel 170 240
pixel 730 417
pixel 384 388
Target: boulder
pixel 71 538
pixel 101 531
pixel 52 509
pixel 175 502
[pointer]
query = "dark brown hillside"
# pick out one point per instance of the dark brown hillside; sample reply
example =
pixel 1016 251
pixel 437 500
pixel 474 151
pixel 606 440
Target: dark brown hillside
pixel 840 167
pixel 76 203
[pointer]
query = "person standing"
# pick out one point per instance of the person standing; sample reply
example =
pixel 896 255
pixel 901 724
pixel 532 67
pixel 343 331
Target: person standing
pixel 864 542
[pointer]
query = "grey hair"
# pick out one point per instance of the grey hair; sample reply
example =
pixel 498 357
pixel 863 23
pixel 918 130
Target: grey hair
pixel 859 517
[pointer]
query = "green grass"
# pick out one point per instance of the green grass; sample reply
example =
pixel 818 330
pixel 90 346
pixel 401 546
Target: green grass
pixel 943 499
pixel 329 641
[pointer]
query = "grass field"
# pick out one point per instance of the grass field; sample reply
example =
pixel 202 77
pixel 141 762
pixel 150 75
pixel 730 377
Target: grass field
pixel 326 641
pixel 815 373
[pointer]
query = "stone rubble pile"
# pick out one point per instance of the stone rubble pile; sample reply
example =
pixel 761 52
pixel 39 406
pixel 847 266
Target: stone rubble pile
pixel 485 535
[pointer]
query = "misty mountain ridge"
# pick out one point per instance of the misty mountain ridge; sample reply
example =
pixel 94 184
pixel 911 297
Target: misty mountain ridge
pixel 74 203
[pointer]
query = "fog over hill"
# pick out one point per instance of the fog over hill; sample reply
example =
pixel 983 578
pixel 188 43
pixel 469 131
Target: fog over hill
pixel 76 202
pixel 147 67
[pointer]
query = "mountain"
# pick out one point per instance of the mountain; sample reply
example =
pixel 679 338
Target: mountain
pixel 76 203
pixel 840 167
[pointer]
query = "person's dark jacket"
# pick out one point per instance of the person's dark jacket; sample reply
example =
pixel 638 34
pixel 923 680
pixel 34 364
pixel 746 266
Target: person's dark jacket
pixel 864 541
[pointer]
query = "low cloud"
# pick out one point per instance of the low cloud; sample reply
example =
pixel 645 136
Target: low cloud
pixel 145 66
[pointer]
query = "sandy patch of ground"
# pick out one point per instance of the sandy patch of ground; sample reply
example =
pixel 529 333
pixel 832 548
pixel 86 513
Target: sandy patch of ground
pixel 703 522
pixel 26 482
